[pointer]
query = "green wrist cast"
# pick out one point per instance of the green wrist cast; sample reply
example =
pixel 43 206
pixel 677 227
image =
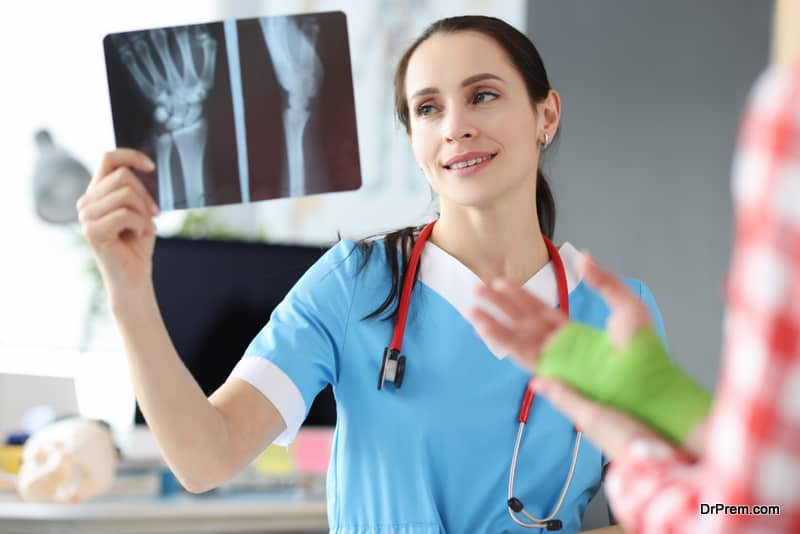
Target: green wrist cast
pixel 639 378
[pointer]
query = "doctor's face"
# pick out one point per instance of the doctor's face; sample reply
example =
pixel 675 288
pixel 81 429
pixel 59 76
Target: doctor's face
pixel 472 124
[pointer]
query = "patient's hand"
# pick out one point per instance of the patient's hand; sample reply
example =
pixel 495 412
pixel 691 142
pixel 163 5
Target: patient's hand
pixel 608 428
pixel 525 324
pixel 520 323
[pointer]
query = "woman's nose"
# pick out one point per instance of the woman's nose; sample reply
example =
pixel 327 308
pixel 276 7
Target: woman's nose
pixel 458 127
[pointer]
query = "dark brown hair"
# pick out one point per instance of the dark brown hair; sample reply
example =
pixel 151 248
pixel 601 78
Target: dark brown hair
pixel 526 60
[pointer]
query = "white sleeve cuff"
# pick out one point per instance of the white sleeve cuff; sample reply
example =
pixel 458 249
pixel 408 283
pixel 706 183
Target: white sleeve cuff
pixel 276 386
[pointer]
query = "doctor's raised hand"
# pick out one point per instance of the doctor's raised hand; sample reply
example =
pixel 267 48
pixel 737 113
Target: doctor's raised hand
pixel 591 375
pixel 116 215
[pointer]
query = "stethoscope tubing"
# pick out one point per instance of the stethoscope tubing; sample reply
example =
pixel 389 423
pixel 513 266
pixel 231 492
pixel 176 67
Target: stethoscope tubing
pixel 536 522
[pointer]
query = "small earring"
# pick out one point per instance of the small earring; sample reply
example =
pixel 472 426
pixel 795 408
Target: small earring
pixel 546 139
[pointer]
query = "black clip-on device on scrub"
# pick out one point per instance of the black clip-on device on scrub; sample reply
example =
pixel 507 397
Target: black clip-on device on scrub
pixel 393 368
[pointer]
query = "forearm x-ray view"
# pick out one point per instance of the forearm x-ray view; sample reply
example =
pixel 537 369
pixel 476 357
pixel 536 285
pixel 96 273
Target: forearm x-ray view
pixel 174 69
pixel 239 110
pixel 299 72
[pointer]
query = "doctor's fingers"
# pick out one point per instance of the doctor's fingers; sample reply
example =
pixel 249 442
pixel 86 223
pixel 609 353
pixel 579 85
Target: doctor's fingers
pixel 124 197
pixel 122 176
pixel 123 157
pixel 608 428
pixel 115 225
pixel 119 187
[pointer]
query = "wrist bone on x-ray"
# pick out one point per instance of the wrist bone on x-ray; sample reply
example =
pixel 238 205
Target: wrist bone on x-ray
pixel 299 71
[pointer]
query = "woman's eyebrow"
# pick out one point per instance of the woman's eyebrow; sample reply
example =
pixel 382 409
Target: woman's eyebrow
pixel 480 77
pixel 464 83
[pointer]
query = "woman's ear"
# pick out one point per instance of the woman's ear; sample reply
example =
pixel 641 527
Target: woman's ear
pixel 550 113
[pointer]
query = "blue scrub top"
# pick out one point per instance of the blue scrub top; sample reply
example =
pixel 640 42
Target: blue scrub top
pixel 433 456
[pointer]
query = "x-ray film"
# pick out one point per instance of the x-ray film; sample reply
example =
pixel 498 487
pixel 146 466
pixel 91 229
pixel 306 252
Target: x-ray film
pixel 239 110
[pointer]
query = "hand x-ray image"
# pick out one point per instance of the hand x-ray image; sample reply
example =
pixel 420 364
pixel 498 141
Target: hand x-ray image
pixel 239 110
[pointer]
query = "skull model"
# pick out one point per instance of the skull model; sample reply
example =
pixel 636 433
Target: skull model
pixel 68 461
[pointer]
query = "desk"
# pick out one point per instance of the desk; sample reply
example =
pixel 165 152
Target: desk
pixel 268 513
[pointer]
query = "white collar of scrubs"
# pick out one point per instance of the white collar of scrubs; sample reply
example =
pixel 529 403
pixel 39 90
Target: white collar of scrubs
pixel 454 282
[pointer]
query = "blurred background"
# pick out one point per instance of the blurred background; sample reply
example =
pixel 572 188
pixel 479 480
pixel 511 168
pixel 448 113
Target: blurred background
pixel 651 93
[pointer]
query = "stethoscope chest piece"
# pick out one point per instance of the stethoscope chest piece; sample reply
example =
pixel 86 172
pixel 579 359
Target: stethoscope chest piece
pixel 393 367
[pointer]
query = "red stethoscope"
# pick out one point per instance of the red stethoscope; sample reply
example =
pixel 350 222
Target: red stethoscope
pixel 393 368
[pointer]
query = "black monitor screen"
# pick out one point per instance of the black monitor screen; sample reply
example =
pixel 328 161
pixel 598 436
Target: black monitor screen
pixel 215 296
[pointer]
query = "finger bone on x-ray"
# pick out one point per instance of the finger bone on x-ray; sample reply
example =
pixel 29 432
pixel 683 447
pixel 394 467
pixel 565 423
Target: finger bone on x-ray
pixel 299 71
pixel 171 82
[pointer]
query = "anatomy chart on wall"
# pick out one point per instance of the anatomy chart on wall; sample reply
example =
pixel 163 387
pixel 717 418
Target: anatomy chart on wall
pixel 239 110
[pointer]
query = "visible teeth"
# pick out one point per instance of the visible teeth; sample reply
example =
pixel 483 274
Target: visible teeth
pixel 469 163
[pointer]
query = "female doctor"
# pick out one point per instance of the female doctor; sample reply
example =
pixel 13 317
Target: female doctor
pixel 438 445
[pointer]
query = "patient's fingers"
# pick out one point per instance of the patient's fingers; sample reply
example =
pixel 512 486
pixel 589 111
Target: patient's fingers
pixel 516 302
pixel 628 312
pixel 530 304
pixel 498 300
pixel 492 329
pixel 516 321
pixel 524 339
pixel 607 427
pixel 612 289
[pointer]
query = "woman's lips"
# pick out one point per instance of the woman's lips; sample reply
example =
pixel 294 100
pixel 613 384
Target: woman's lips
pixel 472 169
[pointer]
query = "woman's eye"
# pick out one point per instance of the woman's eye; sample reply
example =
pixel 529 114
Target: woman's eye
pixel 482 97
pixel 425 109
